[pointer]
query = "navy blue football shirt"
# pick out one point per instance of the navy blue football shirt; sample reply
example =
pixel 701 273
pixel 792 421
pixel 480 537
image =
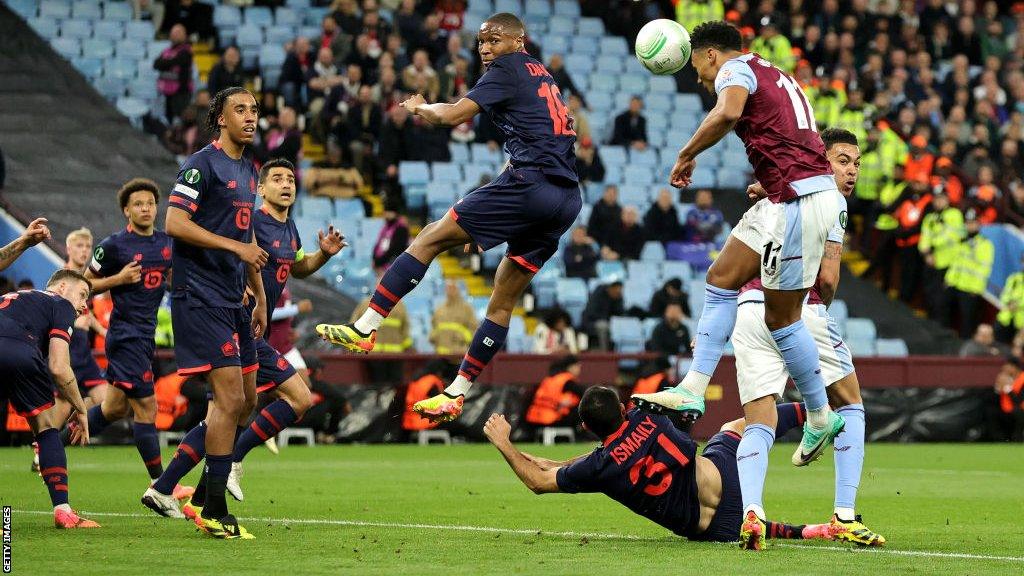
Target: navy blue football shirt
pixel 35 316
pixel 647 466
pixel 282 244
pixel 219 193
pixel 523 101
pixel 135 305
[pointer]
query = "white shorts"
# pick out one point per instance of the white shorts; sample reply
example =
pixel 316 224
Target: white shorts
pixel 760 370
pixel 294 357
pixel 790 237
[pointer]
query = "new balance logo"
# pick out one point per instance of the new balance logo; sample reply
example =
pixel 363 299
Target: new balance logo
pixel 414 281
pixel 738 458
pixel 488 342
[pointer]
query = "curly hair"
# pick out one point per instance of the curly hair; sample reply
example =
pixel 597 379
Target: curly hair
pixel 717 34
pixel 217 106
pixel 137 185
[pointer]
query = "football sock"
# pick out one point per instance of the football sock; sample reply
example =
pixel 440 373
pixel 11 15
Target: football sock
pixel 189 453
pixel 97 421
pixel 199 496
pixel 53 465
pixel 487 341
pixel 791 415
pixel 782 530
pixel 148 443
pixel 849 456
pixel 271 420
pixel 717 320
pixel 217 469
pixel 801 356
pixel 752 464
pixel 401 277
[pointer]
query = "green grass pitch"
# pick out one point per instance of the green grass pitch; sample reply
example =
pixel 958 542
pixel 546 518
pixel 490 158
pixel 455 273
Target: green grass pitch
pixel 447 510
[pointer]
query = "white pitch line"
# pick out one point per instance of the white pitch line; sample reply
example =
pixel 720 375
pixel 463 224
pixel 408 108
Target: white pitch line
pixel 561 534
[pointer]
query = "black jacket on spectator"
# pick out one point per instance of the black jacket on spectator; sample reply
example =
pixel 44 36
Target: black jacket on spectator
pixel 364 122
pixel 663 225
pixel 628 242
pixel 604 221
pixel 197 18
pixel 592 172
pixel 293 69
pixel 396 143
pixel 661 299
pixel 668 340
pixel 601 306
pixel 580 260
pixel 220 78
pixel 629 128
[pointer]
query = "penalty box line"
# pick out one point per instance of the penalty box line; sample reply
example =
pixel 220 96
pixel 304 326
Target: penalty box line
pixel 560 534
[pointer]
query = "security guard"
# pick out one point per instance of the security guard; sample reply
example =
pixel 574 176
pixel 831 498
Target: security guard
pixel 1011 318
pixel 690 13
pixel 556 398
pixel 454 323
pixel 941 232
pixel 968 273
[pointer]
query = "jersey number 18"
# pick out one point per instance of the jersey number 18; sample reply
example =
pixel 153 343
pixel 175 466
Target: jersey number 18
pixel 561 123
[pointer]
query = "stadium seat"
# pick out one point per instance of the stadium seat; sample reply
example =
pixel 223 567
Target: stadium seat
pixel 891 347
pixel 480 152
pixel 143 90
pixel 67 47
pixel 91 68
pixel 117 11
pixel 610 270
pixel 703 177
pixel 260 16
pixel 279 35
pixel 537 8
pixel 24 8
pixel 634 83
pixel 613 155
pixel 483 7
pixel 590 26
pixel 133 108
pixel 633 194
pixel 609 64
pixel 658 105
pixel 80 29
pixel 645 158
pixel 132 50
pixel 839 312
pixel 411 172
pixel 350 208
pixel 688 102
pixel 139 30
pixel 733 177
pixel 44 26
pixel 662 85
pixel 614 46
pixel 673 269
pixel 109 87
pixel 653 252
pixel 603 83
pixel 459 152
pixel 314 15
pixel 55 9
pixel 600 103
pixel 571 294
pixel 108 30
pixel 861 329
pixel 861 347
pixel 286 17
pixel 579 65
pixel 446 172
pixel 86 9
pixel 637 292
pixel 627 333
pixel 298 4
pixel 584 45
pixel 225 15
pixel 511 6
pixel 638 176
pixel 570 8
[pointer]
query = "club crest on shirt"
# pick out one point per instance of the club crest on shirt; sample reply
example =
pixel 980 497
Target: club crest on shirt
pixel 98 253
pixel 842 219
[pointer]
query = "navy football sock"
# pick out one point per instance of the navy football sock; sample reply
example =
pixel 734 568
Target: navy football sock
pixel 97 421
pixel 487 341
pixel 401 277
pixel 148 443
pixel 271 420
pixel 53 465
pixel 189 453
pixel 791 415
pixel 217 469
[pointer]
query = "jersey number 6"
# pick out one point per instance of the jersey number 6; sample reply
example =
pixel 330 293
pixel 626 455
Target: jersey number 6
pixel 242 218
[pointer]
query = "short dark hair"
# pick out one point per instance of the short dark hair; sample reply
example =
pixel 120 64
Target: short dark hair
pixel 599 410
pixel 137 185
pixel 833 136
pixel 510 22
pixel 217 106
pixel 275 163
pixel 717 34
pixel 67 274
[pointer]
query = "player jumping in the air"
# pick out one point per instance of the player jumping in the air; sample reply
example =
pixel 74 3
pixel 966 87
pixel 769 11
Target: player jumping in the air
pixel 277 235
pixel 761 373
pixel 214 257
pixel 651 467
pixel 133 264
pixel 35 334
pixel 529 205
pixel 783 240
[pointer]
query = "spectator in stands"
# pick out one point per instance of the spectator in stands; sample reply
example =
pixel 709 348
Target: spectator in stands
pixel 396 142
pixel 631 126
pixel 182 137
pixel 910 214
pixel 1012 208
pixel 453 51
pixel 579 256
pixel 662 220
pixel 628 241
pixel 556 66
pixel 227 72
pixel 454 322
pixel 364 122
pixel 175 67
pixel 284 140
pixel 941 232
pixel 654 376
pixel 321 78
pixel 341 98
pixel 671 292
pixel 148 11
pixel 196 18
pixel 983 343
pixel 454 81
pixel 375 28
pixel 421 75
pixel 333 37
pixel 387 93
pixel 944 178
pixel 580 121
pixel 555 399
pixel 606 301
pixel 429 381
pixel 334 176
pixel 670 337
pixel 704 222
pixel 1010 320
pixel 294 72
pixel 555 334
pixel 451 14
pixel 920 161
pixel 606 216
pixel 589 167
pixel 409 23
pixel 984 196
pixel 393 238
pixel 967 277
pixel 694 12
pixel 772 45
pixel 346 14
pixel 365 56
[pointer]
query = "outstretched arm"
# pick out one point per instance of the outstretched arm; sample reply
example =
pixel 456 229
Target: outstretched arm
pixel 718 123
pixel 536 478
pixel 35 233
pixel 330 244
pixel 442 114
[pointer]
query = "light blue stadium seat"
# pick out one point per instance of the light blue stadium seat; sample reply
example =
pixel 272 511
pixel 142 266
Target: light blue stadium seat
pixel 108 30
pixel 249 36
pixel 459 152
pixel 569 8
pixel 658 105
pixel 144 90
pixel 571 294
pixel 653 252
pixel 613 155
pixel 318 208
pixel 67 47
pixel 632 194
pixel 314 15
pixel 675 269
pixel 131 49
pixel 272 56
pixel 80 29
pixel 891 347
pixel 579 65
pixel 446 172
pixel 733 176
pixel 688 102
pixel 662 85
pixel 298 4
pixel 117 11
pixel 86 9
pixel 371 227
pixel 603 83
pixel 861 347
pixel 599 101
pixel 512 6
pixel 645 158
pixel 286 17
pixel 634 83
pixel 46 27
pixel 279 35
pixel 473 172
pixel 614 46
pixel 349 208
pixel 410 172
pixel 584 45
pixel 258 16
pixel 55 9
pixel 484 7
pixel 839 311
pixel 610 270
pixel 637 292
pixel 91 68
pixel 109 87
pixel 25 8
pixel 225 15
pixel 537 7
pixel 609 64
pixel 733 143
pixel 703 178
pixel 642 270
pixel 861 329
pixel 638 176
pixel 480 152
pixel 133 108
pixel 627 333
pixel 736 159
pixel 139 30
pixel 590 26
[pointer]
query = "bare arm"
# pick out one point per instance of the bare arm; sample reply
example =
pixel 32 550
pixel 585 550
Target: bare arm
pixel 130 274
pixel 718 122
pixel 329 245
pixel 442 114
pixel 254 280
pixel 63 376
pixel 547 463
pixel 537 479
pixel 828 274
pixel 35 233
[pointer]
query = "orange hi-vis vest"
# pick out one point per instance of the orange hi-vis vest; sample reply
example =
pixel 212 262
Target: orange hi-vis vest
pixel 650 384
pixel 419 390
pixel 16 423
pixel 547 407
pixel 909 215
pixel 1006 400
pixel 169 402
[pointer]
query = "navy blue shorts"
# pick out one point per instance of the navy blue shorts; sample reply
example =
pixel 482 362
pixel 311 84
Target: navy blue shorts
pixel 25 377
pixel 207 338
pixel 523 207
pixel 274 369
pixel 88 376
pixel 725 524
pixel 130 366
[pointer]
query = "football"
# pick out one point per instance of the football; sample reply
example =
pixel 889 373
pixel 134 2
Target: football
pixel 663 46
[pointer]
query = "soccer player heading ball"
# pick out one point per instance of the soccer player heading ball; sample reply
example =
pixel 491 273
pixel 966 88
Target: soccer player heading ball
pixel 529 205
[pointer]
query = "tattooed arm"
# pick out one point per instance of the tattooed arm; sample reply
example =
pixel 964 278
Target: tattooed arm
pixel 828 274
pixel 34 234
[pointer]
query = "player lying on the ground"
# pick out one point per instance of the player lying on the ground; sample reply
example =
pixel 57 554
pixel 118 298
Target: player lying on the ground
pixel 529 205
pixel 781 241
pixel 761 375
pixel 35 334
pixel 650 466
pixel 36 232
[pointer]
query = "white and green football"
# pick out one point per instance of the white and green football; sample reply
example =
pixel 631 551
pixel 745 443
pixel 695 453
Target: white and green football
pixel 663 46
